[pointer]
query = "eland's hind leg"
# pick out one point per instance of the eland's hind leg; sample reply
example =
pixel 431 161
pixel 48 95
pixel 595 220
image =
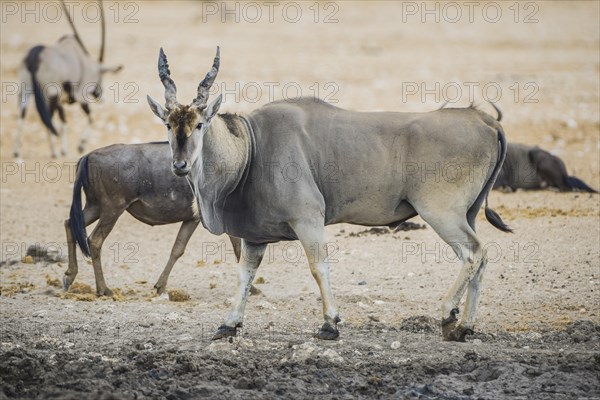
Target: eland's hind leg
pixel 312 237
pixel 183 237
pixel 252 255
pixel 455 231
pixel 472 301
pixel 90 215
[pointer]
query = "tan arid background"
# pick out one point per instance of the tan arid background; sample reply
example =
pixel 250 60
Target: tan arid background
pixel 372 56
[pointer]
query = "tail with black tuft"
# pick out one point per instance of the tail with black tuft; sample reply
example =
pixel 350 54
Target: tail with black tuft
pixel 32 61
pixel 576 183
pixel 492 216
pixel 494 219
pixel 76 219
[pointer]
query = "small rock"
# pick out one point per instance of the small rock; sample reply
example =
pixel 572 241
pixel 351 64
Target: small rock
pixel 477 342
pixel 304 351
pixel 260 383
pixel 395 345
pixel 374 318
pixel 333 356
pixel 68 329
pixel 243 383
pixel 471 355
pixel 265 305
pixel 534 336
pixel 39 313
pixel 362 283
pixel 220 346
pixel 43 253
pixel 27 260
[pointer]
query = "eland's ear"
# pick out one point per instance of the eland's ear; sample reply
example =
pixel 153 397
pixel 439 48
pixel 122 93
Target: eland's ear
pixel 108 68
pixel 213 107
pixel 156 108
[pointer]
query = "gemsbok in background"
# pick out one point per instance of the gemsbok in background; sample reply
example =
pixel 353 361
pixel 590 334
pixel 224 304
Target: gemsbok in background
pixel 63 73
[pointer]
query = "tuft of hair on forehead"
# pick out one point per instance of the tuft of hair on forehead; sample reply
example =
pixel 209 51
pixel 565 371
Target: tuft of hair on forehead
pixel 183 119
pixel 183 115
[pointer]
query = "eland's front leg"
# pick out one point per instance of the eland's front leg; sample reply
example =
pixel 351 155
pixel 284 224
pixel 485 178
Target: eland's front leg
pixel 252 255
pixel 312 237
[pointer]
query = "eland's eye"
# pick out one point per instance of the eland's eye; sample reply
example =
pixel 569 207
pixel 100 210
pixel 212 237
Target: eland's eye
pixel 199 126
pixel 168 126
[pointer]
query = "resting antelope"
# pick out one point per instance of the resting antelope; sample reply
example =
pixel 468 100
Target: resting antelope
pixel 224 157
pixel 135 178
pixel 530 168
pixel 59 74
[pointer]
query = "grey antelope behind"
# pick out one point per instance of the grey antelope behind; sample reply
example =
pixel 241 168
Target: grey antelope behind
pixel 135 178
pixel 59 74
pixel 530 168
pixel 222 155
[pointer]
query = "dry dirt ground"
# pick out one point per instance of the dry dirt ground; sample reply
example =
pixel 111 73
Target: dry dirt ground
pixel 538 332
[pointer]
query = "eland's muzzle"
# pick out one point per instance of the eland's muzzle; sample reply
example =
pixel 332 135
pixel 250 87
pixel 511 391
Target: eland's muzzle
pixel 180 167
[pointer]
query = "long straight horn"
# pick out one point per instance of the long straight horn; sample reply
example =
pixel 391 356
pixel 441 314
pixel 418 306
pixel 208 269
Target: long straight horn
pixel 204 86
pixel 73 27
pixel 165 76
pixel 102 32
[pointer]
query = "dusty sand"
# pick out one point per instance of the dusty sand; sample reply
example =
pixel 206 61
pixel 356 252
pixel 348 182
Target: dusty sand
pixel 538 327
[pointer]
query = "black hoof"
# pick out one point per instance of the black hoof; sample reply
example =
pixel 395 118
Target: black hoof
pixel 327 332
pixel 159 289
pixel 451 318
pixel 459 334
pixel 66 283
pixel 225 331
